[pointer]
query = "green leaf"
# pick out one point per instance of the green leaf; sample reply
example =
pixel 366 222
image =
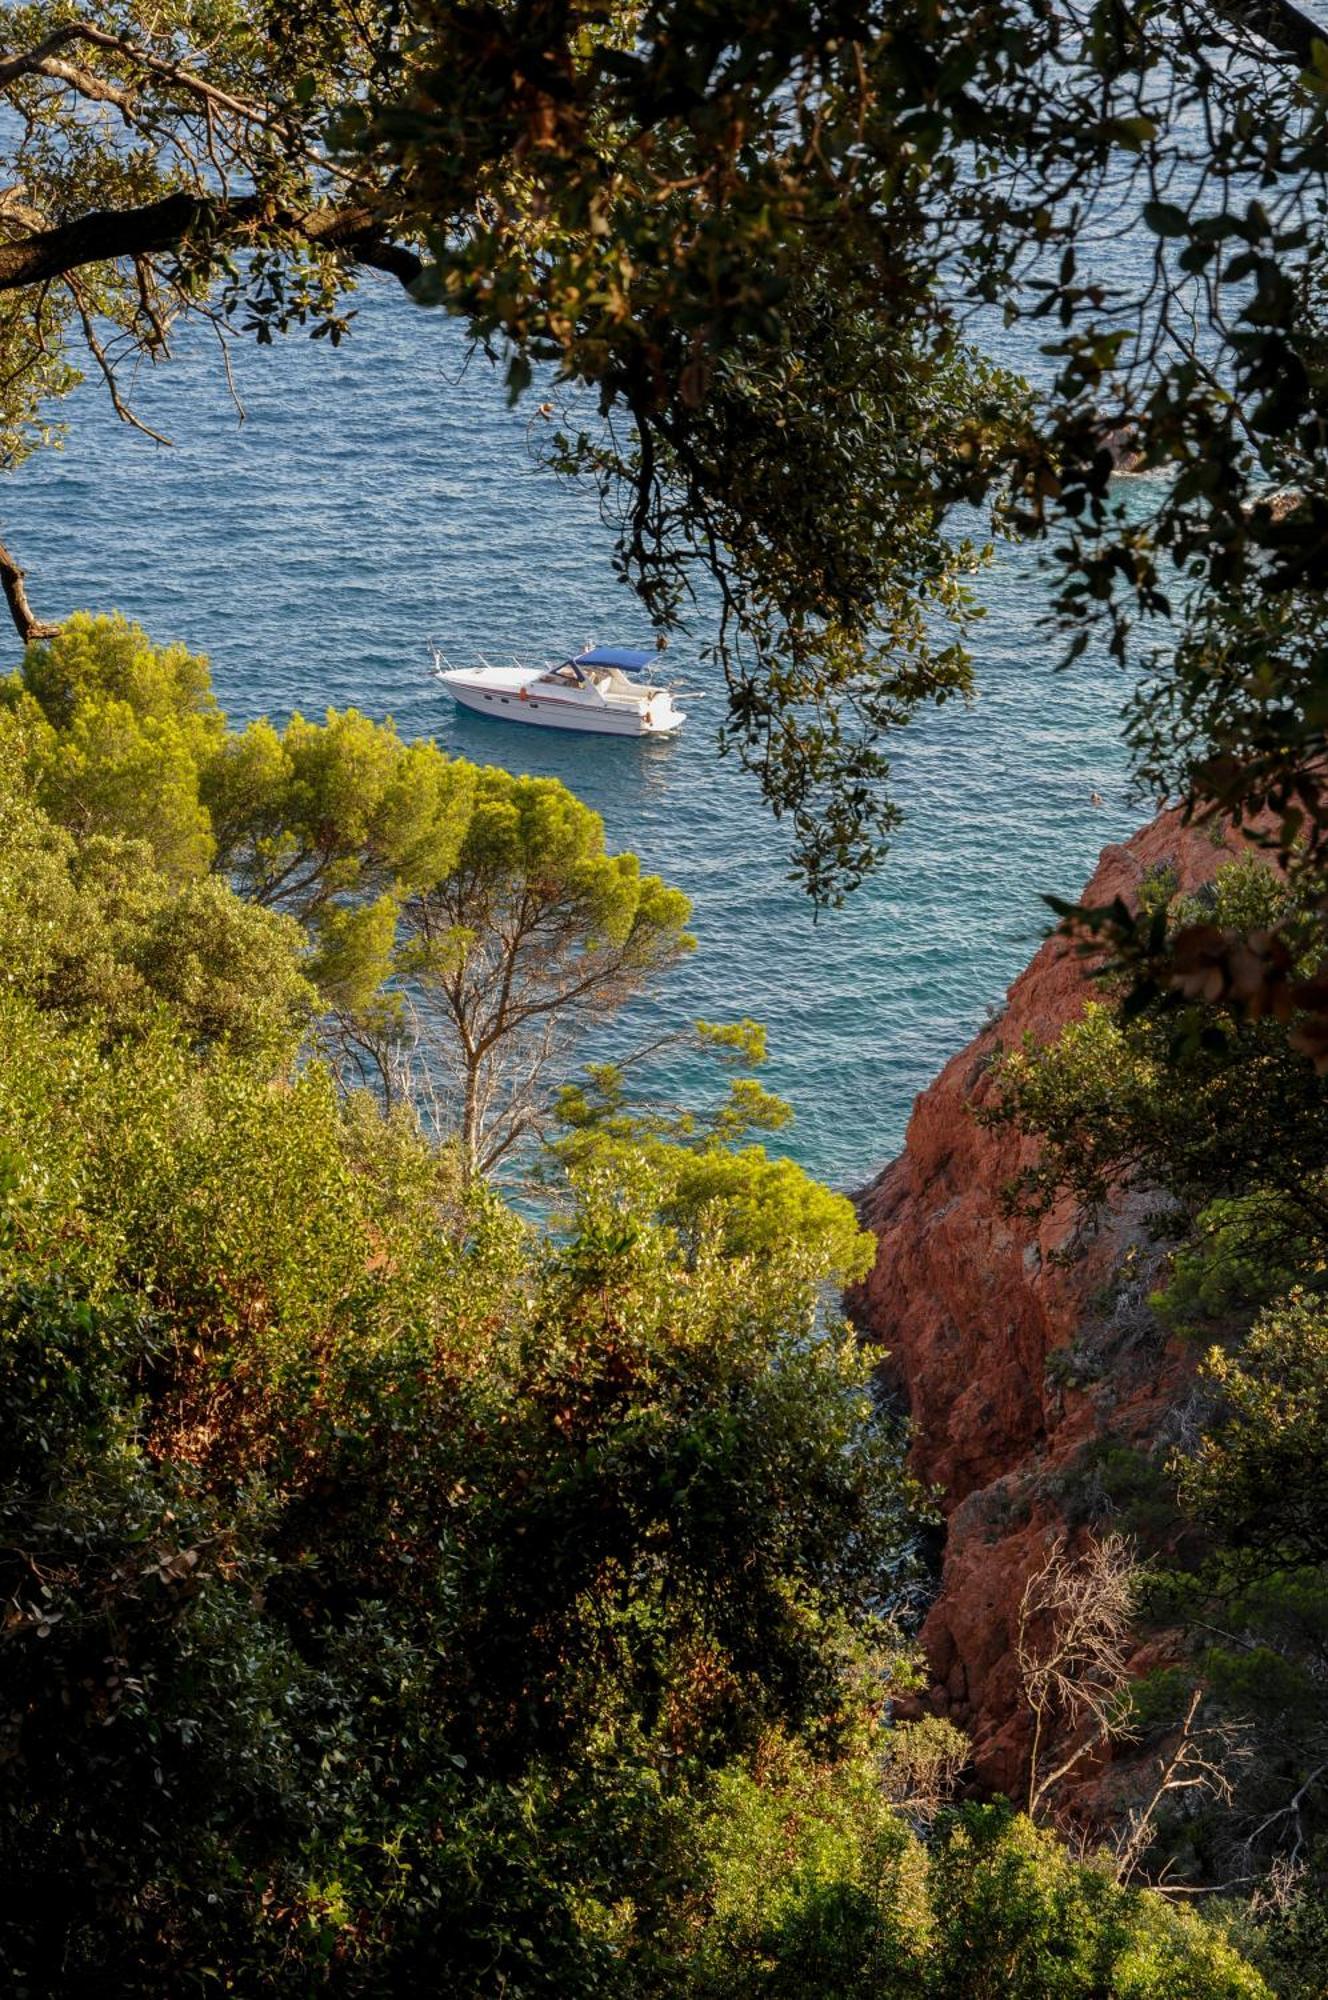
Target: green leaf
pixel 1165 219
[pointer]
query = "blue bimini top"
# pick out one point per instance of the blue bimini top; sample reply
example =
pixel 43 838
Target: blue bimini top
pixel 625 657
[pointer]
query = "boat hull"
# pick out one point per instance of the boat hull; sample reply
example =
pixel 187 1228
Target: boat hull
pixel 503 704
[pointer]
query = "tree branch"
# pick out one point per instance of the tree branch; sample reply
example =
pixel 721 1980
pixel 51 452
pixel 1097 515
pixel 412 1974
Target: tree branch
pixel 44 61
pixel 103 360
pixel 26 622
pixel 1280 23
pixel 106 235
pixel 94 88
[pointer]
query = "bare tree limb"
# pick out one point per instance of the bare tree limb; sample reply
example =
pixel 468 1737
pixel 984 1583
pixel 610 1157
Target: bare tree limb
pixel 1072 1648
pixel 1292 1815
pixel 1200 1760
pixel 26 622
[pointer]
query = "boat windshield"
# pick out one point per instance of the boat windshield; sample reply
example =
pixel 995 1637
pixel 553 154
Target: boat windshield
pixel 609 680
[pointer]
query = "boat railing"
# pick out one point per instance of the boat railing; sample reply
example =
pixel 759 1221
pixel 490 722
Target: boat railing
pixel 442 664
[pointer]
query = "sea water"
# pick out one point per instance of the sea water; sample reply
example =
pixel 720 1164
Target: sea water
pixel 382 491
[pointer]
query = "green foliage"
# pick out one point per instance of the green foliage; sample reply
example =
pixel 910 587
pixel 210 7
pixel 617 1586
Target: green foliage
pixel 1257 1478
pixel 470 1516
pixel 800 414
pixel 323 809
pixel 847 603
pixel 118 731
pixel 815 1884
pixel 1289 1944
pixel 1243 895
pixel 758 239
pixel 1019 1917
pixel 1213 1105
pixel 532 937
pixel 1240 1253
pixel 96 660
pixel 133 1631
pixel 819 1889
pixel 340 1510
pixel 355 956
pixel 97 933
pixel 1106 1478
pixel 697 1168
pixel 1210 1106
pixel 604 1113
pixel 399 1597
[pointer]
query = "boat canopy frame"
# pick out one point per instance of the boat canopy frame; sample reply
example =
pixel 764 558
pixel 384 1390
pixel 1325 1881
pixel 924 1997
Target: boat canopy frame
pixel 628 658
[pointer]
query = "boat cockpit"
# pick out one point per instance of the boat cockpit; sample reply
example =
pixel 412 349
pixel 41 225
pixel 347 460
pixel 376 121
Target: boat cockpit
pixel 604 668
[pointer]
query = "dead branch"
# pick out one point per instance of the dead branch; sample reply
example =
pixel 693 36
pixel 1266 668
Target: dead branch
pixel 1071 1649
pixel 1200 1760
pixel 1290 1813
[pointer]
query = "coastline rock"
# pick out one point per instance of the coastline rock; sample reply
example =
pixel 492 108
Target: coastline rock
pixel 1020 1366
pixel 1123 445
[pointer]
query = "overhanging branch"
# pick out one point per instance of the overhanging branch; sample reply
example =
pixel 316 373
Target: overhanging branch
pixel 1280 23
pixel 45 60
pixel 26 622
pixel 105 235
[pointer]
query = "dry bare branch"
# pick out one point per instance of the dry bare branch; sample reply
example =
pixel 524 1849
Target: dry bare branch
pixel 1201 1760
pixel 1072 1647
pixel 1289 1818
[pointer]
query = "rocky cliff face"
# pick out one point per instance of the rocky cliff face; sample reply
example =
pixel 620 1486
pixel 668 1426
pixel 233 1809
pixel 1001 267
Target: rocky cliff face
pixel 1023 1370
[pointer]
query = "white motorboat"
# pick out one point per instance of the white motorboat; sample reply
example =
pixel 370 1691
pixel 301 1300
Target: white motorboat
pixel 594 690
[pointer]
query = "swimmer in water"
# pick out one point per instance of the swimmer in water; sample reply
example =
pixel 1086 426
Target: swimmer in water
pixel 1095 797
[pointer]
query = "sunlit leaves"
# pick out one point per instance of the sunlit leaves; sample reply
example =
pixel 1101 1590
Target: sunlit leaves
pixel 1256 1478
pixel 117 732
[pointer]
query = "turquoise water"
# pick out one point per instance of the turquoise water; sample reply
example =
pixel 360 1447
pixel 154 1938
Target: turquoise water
pixel 381 492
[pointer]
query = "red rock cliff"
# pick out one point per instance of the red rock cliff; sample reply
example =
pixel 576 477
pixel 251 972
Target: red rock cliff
pixel 1016 1366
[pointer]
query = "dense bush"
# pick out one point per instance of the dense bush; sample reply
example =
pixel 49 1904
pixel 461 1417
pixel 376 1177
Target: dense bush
pixel 401 1597
pixel 818 1886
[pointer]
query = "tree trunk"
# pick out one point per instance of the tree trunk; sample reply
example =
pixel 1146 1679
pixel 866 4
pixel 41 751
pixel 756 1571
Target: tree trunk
pixel 470 1121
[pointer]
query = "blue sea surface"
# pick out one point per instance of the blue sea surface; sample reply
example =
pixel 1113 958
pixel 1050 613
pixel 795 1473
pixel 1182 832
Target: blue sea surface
pixel 381 492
